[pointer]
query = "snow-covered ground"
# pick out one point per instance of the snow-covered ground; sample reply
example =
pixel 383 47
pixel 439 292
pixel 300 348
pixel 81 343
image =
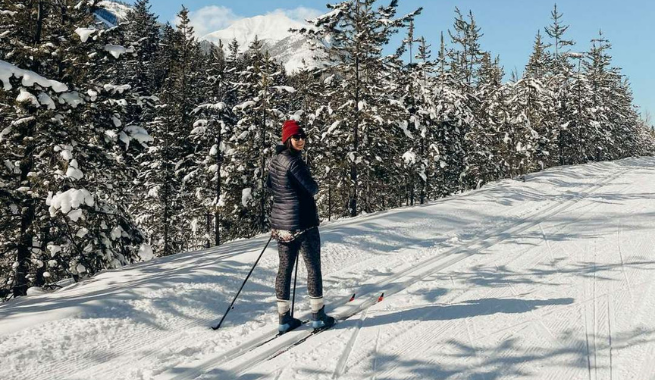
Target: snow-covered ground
pixel 551 278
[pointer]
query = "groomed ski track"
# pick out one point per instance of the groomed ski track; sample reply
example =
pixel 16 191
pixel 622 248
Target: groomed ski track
pixel 547 278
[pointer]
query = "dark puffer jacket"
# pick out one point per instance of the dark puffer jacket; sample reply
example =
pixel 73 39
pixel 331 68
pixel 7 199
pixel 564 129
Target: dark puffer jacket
pixel 294 188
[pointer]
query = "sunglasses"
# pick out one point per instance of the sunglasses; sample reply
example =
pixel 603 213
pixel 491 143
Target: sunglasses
pixel 299 137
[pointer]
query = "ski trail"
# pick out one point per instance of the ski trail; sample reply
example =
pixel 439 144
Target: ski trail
pixel 536 317
pixel 279 373
pixel 618 243
pixel 586 332
pixel 417 345
pixel 550 250
pixel 646 364
pixel 343 360
pixel 149 342
pixel 609 327
pixel 376 349
pixel 595 310
pixel 475 352
pixel 407 277
pixel 577 304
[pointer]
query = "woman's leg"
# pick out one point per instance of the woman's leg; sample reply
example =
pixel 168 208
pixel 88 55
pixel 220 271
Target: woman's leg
pixel 311 250
pixel 310 247
pixel 287 253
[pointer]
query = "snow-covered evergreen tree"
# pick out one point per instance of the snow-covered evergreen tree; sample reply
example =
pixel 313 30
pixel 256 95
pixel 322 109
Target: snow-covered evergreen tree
pixel 357 33
pixel 262 96
pixel 169 165
pixel 63 147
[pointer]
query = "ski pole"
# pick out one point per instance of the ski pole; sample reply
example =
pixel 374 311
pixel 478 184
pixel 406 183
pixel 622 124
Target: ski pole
pixel 293 299
pixel 242 285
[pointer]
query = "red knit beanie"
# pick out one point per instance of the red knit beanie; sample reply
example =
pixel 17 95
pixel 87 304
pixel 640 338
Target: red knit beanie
pixel 290 128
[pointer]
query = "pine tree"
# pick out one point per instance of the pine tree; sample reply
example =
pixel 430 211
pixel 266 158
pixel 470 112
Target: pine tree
pixel 65 216
pixel 561 70
pixel 214 124
pixel 262 94
pixel 358 33
pixel 539 103
pixel 170 162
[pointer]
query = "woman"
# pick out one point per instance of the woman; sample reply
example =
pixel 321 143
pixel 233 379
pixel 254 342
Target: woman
pixel 294 223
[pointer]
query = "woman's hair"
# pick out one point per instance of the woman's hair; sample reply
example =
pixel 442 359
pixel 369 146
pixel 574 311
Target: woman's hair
pixel 289 145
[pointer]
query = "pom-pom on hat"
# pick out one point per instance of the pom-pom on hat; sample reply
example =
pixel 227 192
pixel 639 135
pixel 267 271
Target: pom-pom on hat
pixel 290 128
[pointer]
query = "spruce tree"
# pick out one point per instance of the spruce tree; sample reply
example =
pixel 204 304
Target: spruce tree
pixel 357 34
pixel 67 144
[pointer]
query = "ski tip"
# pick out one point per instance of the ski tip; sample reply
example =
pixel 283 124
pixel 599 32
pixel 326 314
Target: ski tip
pixel 352 298
pixel 381 298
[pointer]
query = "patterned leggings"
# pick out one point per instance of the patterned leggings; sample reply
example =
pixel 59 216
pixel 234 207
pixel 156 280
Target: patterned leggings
pixel 309 244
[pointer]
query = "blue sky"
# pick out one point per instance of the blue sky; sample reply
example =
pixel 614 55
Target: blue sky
pixel 509 27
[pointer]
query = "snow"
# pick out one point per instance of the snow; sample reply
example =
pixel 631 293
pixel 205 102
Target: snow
pixel 548 278
pixel 22 120
pixel 244 105
pixel 409 157
pixel 26 97
pixel 113 88
pixel 333 126
pixel 118 50
pixel 246 196
pixel 84 33
pixel 288 89
pixel 70 199
pixel 73 171
pixel 29 78
pixel 75 215
pixel 5 132
pixel 66 154
pixel 137 133
pixel 35 290
pixel 145 252
pixel 116 232
pixel 54 249
pixel 46 101
pixel 118 9
pixel 404 126
pixel 274 26
pixel 272 29
pixel 72 98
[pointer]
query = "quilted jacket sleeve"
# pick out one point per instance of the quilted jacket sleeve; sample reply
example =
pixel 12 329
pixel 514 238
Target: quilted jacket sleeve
pixel 300 172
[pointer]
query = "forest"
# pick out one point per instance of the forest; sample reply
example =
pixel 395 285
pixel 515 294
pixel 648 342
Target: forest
pixel 123 143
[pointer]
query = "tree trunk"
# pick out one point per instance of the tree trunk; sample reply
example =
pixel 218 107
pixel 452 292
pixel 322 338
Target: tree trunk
pixel 23 255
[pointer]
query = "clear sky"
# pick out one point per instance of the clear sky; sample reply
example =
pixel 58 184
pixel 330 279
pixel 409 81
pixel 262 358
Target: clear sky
pixel 509 27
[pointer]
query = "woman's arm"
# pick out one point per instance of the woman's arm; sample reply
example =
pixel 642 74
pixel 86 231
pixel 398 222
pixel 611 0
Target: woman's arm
pixel 300 172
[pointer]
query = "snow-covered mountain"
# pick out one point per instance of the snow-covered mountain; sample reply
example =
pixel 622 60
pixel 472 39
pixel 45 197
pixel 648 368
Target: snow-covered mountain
pixel 112 12
pixel 272 29
pixel 288 48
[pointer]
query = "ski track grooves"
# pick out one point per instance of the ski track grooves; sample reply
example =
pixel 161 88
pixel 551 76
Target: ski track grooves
pixel 414 274
pixel 536 319
pixel 151 345
pixel 343 360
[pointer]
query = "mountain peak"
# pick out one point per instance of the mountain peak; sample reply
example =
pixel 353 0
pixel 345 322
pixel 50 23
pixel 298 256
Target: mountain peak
pixel 272 30
pixel 272 27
